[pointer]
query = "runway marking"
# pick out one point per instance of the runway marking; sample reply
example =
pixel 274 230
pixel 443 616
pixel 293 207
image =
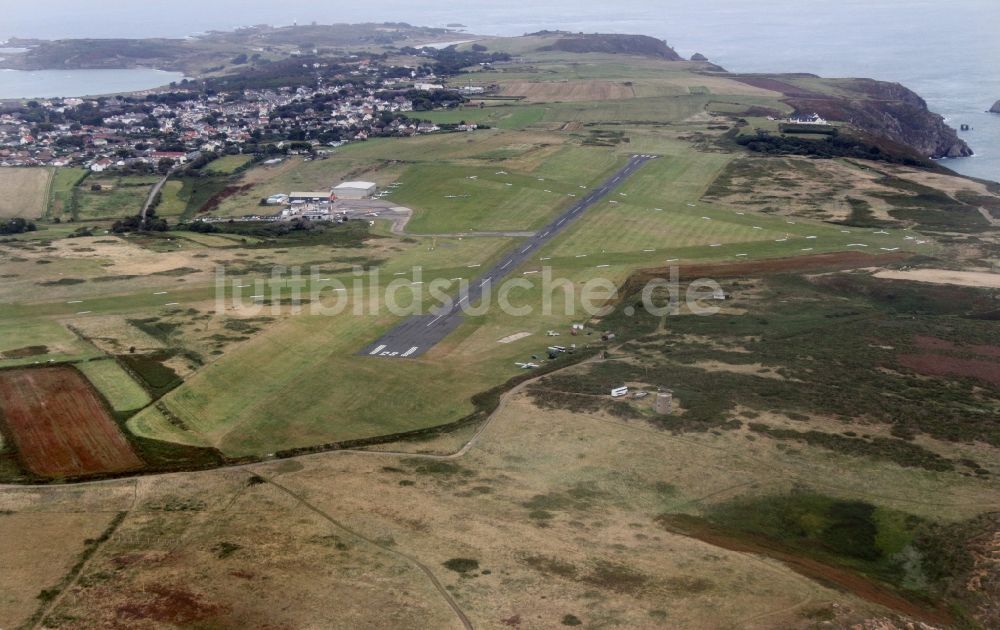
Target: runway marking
pixel 82 312
pixel 75 302
pixel 160 293
pixel 253 297
pixel 410 351
pixel 546 258
pixel 171 304
pixel 649 250
pixel 421 282
pixel 474 266
pixel 377 350
pixel 434 321
pixel 504 266
pixel 526 249
pixel 602 266
pixel 527 272
pixel 581 255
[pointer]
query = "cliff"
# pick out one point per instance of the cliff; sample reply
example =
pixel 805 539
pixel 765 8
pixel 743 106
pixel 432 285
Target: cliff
pixel 620 44
pixel 996 108
pixel 880 108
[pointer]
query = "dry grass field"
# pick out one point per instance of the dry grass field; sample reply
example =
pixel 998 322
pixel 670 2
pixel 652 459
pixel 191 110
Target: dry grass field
pixel 25 192
pixel 550 516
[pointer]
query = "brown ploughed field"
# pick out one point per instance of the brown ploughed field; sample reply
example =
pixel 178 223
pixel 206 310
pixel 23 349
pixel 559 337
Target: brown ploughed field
pixel 60 426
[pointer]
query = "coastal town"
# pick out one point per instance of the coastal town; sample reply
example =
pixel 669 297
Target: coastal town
pixel 156 130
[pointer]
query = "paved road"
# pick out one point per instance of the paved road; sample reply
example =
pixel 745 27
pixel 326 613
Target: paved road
pixel 419 333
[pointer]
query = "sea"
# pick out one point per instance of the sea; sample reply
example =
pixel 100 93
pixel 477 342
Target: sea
pixel 948 52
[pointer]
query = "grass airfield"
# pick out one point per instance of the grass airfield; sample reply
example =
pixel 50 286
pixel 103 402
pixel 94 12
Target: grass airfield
pixel 567 507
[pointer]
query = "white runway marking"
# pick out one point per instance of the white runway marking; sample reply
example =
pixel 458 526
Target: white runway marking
pixel 410 351
pixel 82 312
pixel 377 350
pixel 75 302
pixel 171 304
pixel 160 293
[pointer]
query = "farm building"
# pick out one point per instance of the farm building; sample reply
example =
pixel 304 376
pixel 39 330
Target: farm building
pixel 355 190
pixel 309 196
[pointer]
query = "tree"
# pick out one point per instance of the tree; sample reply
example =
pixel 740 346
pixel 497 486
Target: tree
pixel 164 165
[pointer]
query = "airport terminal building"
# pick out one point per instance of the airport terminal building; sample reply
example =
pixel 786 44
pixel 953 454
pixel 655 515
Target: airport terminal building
pixel 355 190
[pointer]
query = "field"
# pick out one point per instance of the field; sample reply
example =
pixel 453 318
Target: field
pixel 501 527
pixel 25 192
pixel 116 197
pixel 61 200
pixel 59 426
pixel 306 397
pixel 227 164
pixel 182 197
pixel 117 387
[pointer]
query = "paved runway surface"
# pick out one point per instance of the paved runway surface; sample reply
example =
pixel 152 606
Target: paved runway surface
pixel 419 333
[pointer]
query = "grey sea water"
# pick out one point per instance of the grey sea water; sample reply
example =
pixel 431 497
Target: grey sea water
pixel 947 51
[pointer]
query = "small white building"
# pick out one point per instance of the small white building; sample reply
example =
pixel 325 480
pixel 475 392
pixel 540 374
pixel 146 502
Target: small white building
pixel 355 190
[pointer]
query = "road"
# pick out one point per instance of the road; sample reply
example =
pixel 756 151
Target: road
pixel 419 333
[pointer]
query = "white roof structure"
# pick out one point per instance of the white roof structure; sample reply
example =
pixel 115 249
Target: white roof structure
pixel 355 185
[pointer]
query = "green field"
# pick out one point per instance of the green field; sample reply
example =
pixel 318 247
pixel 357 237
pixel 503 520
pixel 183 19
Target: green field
pixel 452 198
pixel 228 164
pixel 61 198
pixel 120 196
pixel 183 196
pixel 115 384
pixel 502 116
pixel 311 389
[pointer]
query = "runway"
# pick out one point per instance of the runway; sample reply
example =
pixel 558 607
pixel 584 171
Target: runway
pixel 419 333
